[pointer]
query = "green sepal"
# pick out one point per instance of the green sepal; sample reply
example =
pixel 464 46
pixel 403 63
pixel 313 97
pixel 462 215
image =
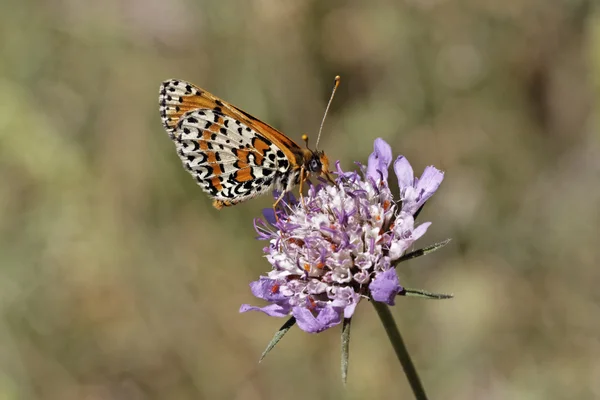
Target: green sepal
pixel 424 294
pixel 278 335
pixel 421 252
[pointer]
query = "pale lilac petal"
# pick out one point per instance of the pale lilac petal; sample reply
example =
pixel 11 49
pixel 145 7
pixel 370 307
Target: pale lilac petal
pixel 326 318
pixel 404 224
pixel 379 161
pixel 404 172
pixel 345 299
pixel 385 287
pixel 266 289
pixel 420 230
pixel 428 183
pixel 272 310
pixel 397 248
pixel 349 311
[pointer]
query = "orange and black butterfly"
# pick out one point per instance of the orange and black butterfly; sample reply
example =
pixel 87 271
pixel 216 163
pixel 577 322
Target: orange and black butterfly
pixel 232 155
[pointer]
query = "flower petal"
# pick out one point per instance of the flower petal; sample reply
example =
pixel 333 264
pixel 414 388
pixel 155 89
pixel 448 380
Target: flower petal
pixel 379 161
pixel 420 230
pixel 272 310
pixel 269 216
pixel 263 229
pixel 385 287
pixel 349 311
pixel 428 183
pixel 346 299
pixel 397 248
pixel 326 318
pixel 404 172
pixel 266 289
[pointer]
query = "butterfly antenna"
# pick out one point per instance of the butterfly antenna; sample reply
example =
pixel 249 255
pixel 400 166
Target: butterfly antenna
pixel 335 86
pixel 305 139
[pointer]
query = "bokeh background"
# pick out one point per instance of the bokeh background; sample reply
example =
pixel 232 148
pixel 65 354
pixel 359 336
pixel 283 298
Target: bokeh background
pixel 118 280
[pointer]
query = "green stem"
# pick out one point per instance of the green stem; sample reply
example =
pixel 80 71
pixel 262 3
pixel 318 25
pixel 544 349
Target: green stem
pixel 345 348
pixel 387 319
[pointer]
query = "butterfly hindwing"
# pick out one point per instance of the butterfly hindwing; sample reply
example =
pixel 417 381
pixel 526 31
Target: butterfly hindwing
pixel 228 159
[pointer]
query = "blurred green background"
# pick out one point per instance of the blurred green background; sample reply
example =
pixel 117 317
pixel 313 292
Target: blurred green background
pixel 118 280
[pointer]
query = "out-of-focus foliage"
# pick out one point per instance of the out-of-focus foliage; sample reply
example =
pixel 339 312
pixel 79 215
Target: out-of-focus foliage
pixel 118 280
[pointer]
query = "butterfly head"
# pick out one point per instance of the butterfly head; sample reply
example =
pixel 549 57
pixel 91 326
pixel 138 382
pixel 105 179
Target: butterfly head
pixel 317 163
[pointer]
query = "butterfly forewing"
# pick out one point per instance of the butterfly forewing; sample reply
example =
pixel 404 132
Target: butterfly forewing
pixel 232 155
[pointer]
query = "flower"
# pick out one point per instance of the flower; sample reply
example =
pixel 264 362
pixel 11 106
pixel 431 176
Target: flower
pixel 339 244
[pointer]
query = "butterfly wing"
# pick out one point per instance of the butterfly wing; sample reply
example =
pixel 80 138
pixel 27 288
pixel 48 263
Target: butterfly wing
pixel 232 155
pixel 178 97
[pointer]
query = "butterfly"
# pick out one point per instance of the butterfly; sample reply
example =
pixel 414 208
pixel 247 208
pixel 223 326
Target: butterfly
pixel 232 155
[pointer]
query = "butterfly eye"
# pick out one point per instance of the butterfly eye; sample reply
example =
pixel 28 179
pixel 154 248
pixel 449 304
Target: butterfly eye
pixel 314 165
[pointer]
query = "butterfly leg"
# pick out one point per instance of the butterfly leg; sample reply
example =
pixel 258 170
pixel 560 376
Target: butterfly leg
pixel 328 177
pixel 302 179
pixel 275 205
pixel 303 176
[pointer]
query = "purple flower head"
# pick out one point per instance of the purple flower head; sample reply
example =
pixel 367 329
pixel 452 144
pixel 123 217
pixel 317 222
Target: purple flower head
pixel 339 245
